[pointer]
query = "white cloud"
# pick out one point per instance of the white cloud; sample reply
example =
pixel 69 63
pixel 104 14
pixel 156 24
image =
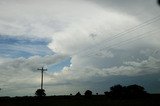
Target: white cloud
pixel 101 23
pixel 71 74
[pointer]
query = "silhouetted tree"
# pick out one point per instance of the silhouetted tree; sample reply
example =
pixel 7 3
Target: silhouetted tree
pixel 40 92
pixel 78 94
pixel 70 94
pixel 131 91
pixel 136 91
pixel 106 93
pixel 116 88
pixel 117 91
pixel 88 93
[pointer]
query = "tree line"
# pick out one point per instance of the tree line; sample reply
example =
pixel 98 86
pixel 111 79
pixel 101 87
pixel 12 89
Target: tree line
pixel 116 91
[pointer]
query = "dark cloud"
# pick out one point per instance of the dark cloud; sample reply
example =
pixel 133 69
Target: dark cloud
pixel 158 1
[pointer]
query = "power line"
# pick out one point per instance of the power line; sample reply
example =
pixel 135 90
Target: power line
pixel 135 28
pixel 157 18
pixel 130 40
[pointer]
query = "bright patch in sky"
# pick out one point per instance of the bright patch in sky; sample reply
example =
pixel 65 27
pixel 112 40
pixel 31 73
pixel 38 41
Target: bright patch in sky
pixel 59 66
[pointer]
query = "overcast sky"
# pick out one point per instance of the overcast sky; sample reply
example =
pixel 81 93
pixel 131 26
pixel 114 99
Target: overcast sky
pixel 84 44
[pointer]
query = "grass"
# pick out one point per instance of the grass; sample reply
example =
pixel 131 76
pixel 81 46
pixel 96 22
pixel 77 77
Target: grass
pixel 77 101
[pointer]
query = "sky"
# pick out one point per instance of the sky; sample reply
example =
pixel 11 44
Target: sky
pixel 84 44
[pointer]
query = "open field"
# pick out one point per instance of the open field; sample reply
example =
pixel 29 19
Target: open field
pixel 153 100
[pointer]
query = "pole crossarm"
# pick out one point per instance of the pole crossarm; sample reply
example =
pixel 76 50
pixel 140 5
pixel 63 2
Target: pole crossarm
pixel 42 70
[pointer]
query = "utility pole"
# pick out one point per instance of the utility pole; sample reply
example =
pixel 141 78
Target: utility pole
pixel 42 70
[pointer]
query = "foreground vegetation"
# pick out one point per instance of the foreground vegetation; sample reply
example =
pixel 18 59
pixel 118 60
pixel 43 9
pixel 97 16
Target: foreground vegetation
pixel 94 100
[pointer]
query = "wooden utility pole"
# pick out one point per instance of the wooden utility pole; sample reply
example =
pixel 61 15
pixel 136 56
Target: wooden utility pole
pixel 42 70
